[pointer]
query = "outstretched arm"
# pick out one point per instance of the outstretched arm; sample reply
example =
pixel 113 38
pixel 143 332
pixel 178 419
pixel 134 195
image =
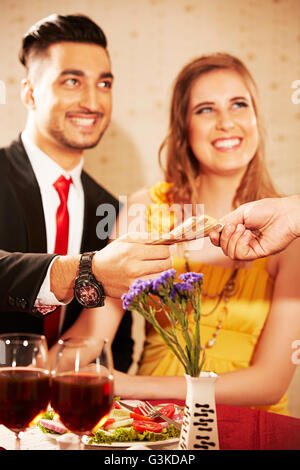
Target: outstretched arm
pixel 117 266
pixel 259 228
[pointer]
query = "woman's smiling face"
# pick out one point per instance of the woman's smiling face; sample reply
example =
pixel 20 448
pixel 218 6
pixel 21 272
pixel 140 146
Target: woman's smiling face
pixel 222 125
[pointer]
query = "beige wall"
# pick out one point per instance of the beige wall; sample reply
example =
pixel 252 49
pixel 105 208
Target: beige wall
pixel 149 41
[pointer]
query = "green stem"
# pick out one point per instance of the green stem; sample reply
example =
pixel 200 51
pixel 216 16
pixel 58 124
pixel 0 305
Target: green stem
pixel 197 343
pixel 177 315
pixel 168 337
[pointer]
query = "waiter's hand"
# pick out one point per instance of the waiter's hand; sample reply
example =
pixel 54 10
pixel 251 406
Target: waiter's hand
pixel 127 259
pixel 259 228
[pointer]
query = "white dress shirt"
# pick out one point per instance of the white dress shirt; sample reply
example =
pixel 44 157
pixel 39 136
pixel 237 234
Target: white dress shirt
pixel 47 171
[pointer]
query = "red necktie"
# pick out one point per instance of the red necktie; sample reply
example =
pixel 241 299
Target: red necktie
pixel 62 186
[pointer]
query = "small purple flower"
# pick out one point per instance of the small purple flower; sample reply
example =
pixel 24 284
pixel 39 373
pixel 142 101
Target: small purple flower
pixel 173 294
pixel 127 299
pixel 137 288
pixel 139 284
pixel 183 287
pixel 156 284
pixel 170 273
pixel 163 287
pixel 191 277
pixel 161 282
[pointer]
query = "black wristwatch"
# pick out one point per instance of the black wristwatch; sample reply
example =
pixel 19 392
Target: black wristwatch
pixel 87 290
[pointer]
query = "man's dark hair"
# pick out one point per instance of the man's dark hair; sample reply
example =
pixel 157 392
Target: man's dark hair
pixel 60 28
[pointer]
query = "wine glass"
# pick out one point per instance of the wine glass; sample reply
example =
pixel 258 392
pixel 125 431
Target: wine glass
pixel 24 380
pixel 82 384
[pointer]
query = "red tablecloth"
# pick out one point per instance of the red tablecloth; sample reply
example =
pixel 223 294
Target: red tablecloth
pixel 246 429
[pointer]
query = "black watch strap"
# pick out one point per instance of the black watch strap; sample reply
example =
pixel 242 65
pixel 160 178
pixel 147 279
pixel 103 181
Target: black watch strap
pixel 85 264
pixel 95 297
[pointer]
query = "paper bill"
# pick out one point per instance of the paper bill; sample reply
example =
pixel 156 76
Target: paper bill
pixel 190 229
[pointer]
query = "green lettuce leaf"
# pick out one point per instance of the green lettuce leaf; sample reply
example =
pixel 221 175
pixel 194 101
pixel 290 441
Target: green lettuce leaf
pixel 130 435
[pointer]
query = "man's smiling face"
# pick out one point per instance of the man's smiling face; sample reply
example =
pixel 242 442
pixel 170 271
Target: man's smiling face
pixel 72 95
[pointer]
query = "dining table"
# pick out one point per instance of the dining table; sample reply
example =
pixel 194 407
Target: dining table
pixel 238 429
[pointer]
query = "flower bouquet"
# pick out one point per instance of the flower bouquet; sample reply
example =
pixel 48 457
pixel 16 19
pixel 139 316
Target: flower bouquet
pixel 175 299
pixel 179 300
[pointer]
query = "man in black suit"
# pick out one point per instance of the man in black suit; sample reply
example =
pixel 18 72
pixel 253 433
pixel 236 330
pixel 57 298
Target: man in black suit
pixel 67 92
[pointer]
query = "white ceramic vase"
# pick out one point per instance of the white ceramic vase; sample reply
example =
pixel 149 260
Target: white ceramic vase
pixel 199 427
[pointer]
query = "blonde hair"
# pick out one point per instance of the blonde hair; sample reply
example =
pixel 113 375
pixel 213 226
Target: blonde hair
pixel 182 167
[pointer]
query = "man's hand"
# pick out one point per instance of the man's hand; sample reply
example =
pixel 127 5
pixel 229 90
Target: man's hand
pixel 127 259
pixel 259 228
pixel 117 266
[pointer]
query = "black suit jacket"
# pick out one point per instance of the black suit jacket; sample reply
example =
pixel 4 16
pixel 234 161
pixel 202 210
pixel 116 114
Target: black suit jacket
pixel 22 229
pixel 21 276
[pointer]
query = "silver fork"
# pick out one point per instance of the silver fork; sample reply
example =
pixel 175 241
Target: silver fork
pixel 151 412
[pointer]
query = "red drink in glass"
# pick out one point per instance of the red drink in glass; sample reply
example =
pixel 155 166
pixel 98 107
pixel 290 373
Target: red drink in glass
pixel 81 400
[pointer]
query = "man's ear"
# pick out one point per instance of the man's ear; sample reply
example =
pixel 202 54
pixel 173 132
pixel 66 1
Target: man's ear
pixel 27 94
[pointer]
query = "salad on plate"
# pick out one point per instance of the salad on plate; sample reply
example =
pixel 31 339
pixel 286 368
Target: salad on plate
pixel 123 426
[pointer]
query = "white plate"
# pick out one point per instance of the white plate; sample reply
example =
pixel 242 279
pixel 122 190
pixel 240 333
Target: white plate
pixel 166 444
pixel 63 439
pixel 69 440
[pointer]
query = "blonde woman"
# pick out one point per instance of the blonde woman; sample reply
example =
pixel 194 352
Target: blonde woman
pixel 251 310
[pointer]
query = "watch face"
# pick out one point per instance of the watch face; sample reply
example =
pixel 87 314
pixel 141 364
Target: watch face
pixel 87 294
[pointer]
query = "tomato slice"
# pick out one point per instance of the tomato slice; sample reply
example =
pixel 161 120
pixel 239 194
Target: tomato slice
pixel 117 405
pixel 139 410
pixel 139 417
pixel 168 410
pixel 108 422
pixel 141 426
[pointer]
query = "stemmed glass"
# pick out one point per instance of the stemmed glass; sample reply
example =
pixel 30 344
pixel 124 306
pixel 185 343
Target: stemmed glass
pixel 24 380
pixel 82 384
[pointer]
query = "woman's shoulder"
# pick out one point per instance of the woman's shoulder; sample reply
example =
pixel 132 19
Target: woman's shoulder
pixel 141 196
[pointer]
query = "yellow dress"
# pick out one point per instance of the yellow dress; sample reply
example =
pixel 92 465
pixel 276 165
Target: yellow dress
pixel 247 311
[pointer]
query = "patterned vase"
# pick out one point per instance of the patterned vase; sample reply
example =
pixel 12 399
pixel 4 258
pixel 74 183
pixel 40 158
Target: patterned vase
pixel 199 427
